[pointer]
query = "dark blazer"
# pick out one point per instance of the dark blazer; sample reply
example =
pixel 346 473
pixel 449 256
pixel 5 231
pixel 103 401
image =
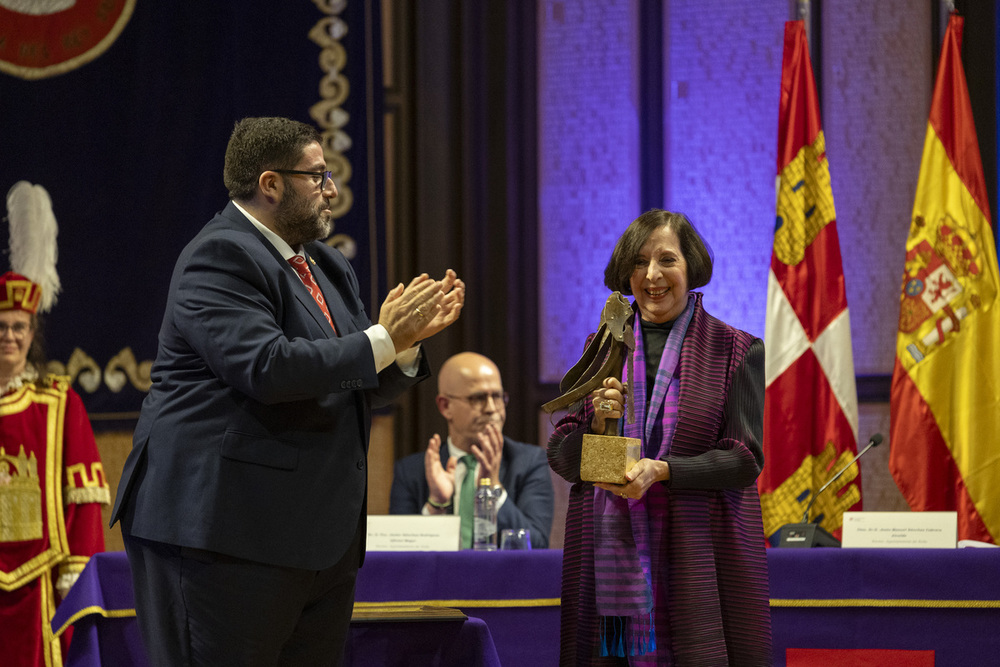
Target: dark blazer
pixel 524 473
pixel 253 439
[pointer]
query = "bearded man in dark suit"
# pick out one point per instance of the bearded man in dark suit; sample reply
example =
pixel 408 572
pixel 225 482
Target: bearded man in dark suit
pixel 243 500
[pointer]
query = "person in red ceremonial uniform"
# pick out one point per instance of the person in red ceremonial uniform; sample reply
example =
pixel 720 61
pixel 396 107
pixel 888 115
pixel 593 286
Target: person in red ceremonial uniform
pixel 52 484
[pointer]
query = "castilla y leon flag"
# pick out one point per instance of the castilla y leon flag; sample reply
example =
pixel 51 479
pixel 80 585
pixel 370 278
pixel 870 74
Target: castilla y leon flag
pixel 945 399
pixel 810 399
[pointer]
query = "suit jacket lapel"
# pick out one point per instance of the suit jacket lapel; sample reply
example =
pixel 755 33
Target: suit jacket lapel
pixel 239 221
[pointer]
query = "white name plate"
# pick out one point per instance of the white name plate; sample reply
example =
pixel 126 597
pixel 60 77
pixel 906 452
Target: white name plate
pixel 413 532
pixel 903 530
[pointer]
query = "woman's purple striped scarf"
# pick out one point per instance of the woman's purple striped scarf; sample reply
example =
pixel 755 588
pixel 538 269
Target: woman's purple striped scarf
pixel 624 589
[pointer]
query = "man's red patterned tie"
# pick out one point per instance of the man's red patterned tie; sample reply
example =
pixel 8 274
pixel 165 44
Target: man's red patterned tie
pixel 298 263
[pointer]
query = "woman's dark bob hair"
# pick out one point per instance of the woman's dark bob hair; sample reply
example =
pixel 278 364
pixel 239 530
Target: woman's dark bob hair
pixel 697 254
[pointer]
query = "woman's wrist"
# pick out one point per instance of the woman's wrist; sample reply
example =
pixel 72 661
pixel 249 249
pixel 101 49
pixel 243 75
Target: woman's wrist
pixel 662 471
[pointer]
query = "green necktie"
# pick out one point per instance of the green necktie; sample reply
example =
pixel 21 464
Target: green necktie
pixel 467 502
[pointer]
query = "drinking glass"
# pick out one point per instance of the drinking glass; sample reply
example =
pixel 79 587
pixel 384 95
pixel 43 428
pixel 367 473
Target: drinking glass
pixel 515 539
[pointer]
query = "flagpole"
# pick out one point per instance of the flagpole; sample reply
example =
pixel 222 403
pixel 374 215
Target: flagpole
pixel 945 8
pixel 808 11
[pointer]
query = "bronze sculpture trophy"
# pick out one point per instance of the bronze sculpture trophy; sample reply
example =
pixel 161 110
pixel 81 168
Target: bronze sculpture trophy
pixel 607 457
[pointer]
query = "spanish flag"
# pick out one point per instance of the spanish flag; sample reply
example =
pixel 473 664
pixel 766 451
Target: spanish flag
pixel 810 399
pixel 945 401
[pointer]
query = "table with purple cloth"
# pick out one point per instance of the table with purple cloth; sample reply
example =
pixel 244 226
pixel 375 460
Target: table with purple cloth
pixel 101 609
pixel 941 600
pixel 515 592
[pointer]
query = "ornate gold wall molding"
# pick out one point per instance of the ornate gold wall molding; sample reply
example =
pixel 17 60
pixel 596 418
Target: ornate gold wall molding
pixel 334 89
pixel 123 366
pixel 82 369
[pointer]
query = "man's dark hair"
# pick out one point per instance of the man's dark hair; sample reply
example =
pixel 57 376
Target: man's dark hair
pixel 622 263
pixel 259 144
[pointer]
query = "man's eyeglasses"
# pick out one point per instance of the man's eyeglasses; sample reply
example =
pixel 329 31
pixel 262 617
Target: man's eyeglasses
pixel 19 329
pixel 479 401
pixel 319 178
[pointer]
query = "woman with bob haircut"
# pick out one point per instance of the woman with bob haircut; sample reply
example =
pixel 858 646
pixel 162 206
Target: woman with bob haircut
pixel 669 568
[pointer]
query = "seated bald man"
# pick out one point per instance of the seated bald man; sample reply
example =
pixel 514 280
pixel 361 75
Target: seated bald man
pixel 472 400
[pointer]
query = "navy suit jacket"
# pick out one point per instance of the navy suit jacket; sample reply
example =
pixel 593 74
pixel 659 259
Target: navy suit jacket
pixel 253 439
pixel 524 473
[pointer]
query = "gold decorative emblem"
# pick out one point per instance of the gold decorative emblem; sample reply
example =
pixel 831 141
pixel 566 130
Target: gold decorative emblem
pixel 805 202
pixel 81 368
pixel 86 484
pixel 123 365
pixel 43 38
pixel 22 294
pixel 20 497
pixel 787 502
pixel 121 368
pixel 940 283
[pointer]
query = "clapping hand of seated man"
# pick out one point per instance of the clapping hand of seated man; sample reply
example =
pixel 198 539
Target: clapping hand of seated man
pixel 421 309
pixel 489 452
pixel 440 478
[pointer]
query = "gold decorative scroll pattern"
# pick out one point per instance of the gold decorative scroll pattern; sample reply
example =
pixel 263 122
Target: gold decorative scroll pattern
pixel 120 370
pixel 334 88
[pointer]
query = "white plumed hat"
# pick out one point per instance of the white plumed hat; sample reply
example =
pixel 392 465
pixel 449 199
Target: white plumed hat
pixel 33 231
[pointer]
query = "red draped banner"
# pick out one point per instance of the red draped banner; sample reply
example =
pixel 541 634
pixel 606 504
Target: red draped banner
pixel 810 401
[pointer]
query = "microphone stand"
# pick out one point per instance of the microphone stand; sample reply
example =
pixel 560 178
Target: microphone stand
pixel 807 534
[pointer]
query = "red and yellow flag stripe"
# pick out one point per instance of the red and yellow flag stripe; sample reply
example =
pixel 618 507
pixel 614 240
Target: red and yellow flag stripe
pixel 810 404
pixel 945 399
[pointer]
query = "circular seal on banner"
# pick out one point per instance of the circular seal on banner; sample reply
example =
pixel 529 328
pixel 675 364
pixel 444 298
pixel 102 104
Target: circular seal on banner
pixel 43 38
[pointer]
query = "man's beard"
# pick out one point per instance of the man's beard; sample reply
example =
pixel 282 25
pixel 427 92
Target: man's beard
pixel 297 223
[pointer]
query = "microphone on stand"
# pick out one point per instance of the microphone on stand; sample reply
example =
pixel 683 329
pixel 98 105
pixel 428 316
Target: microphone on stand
pixel 806 534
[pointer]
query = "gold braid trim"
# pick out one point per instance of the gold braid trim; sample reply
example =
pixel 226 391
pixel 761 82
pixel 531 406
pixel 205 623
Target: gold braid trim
pixel 73 564
pixel 91 494
pixel 871 602
pixel 69 571
pixel 537 602
pixel 94 609
pixel 40 564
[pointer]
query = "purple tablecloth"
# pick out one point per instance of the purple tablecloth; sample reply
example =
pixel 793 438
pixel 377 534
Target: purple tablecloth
pixel 101 609
pixel 944 600
pixel 515 592
pixel 429 644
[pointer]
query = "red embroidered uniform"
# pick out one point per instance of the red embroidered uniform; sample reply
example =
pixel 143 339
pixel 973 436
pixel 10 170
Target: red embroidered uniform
pixel 52 486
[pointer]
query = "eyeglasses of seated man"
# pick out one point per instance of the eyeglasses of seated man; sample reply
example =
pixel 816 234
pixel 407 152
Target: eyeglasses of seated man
pixel 478 401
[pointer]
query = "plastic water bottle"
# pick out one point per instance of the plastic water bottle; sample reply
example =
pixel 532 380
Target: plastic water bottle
pixel 484 531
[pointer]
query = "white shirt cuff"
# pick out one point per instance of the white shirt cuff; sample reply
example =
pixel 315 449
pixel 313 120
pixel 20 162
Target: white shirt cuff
pixel 385 352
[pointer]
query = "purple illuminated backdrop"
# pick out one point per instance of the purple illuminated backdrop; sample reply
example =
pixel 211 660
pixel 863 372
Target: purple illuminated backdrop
pixel 722 67
pixel 722 73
